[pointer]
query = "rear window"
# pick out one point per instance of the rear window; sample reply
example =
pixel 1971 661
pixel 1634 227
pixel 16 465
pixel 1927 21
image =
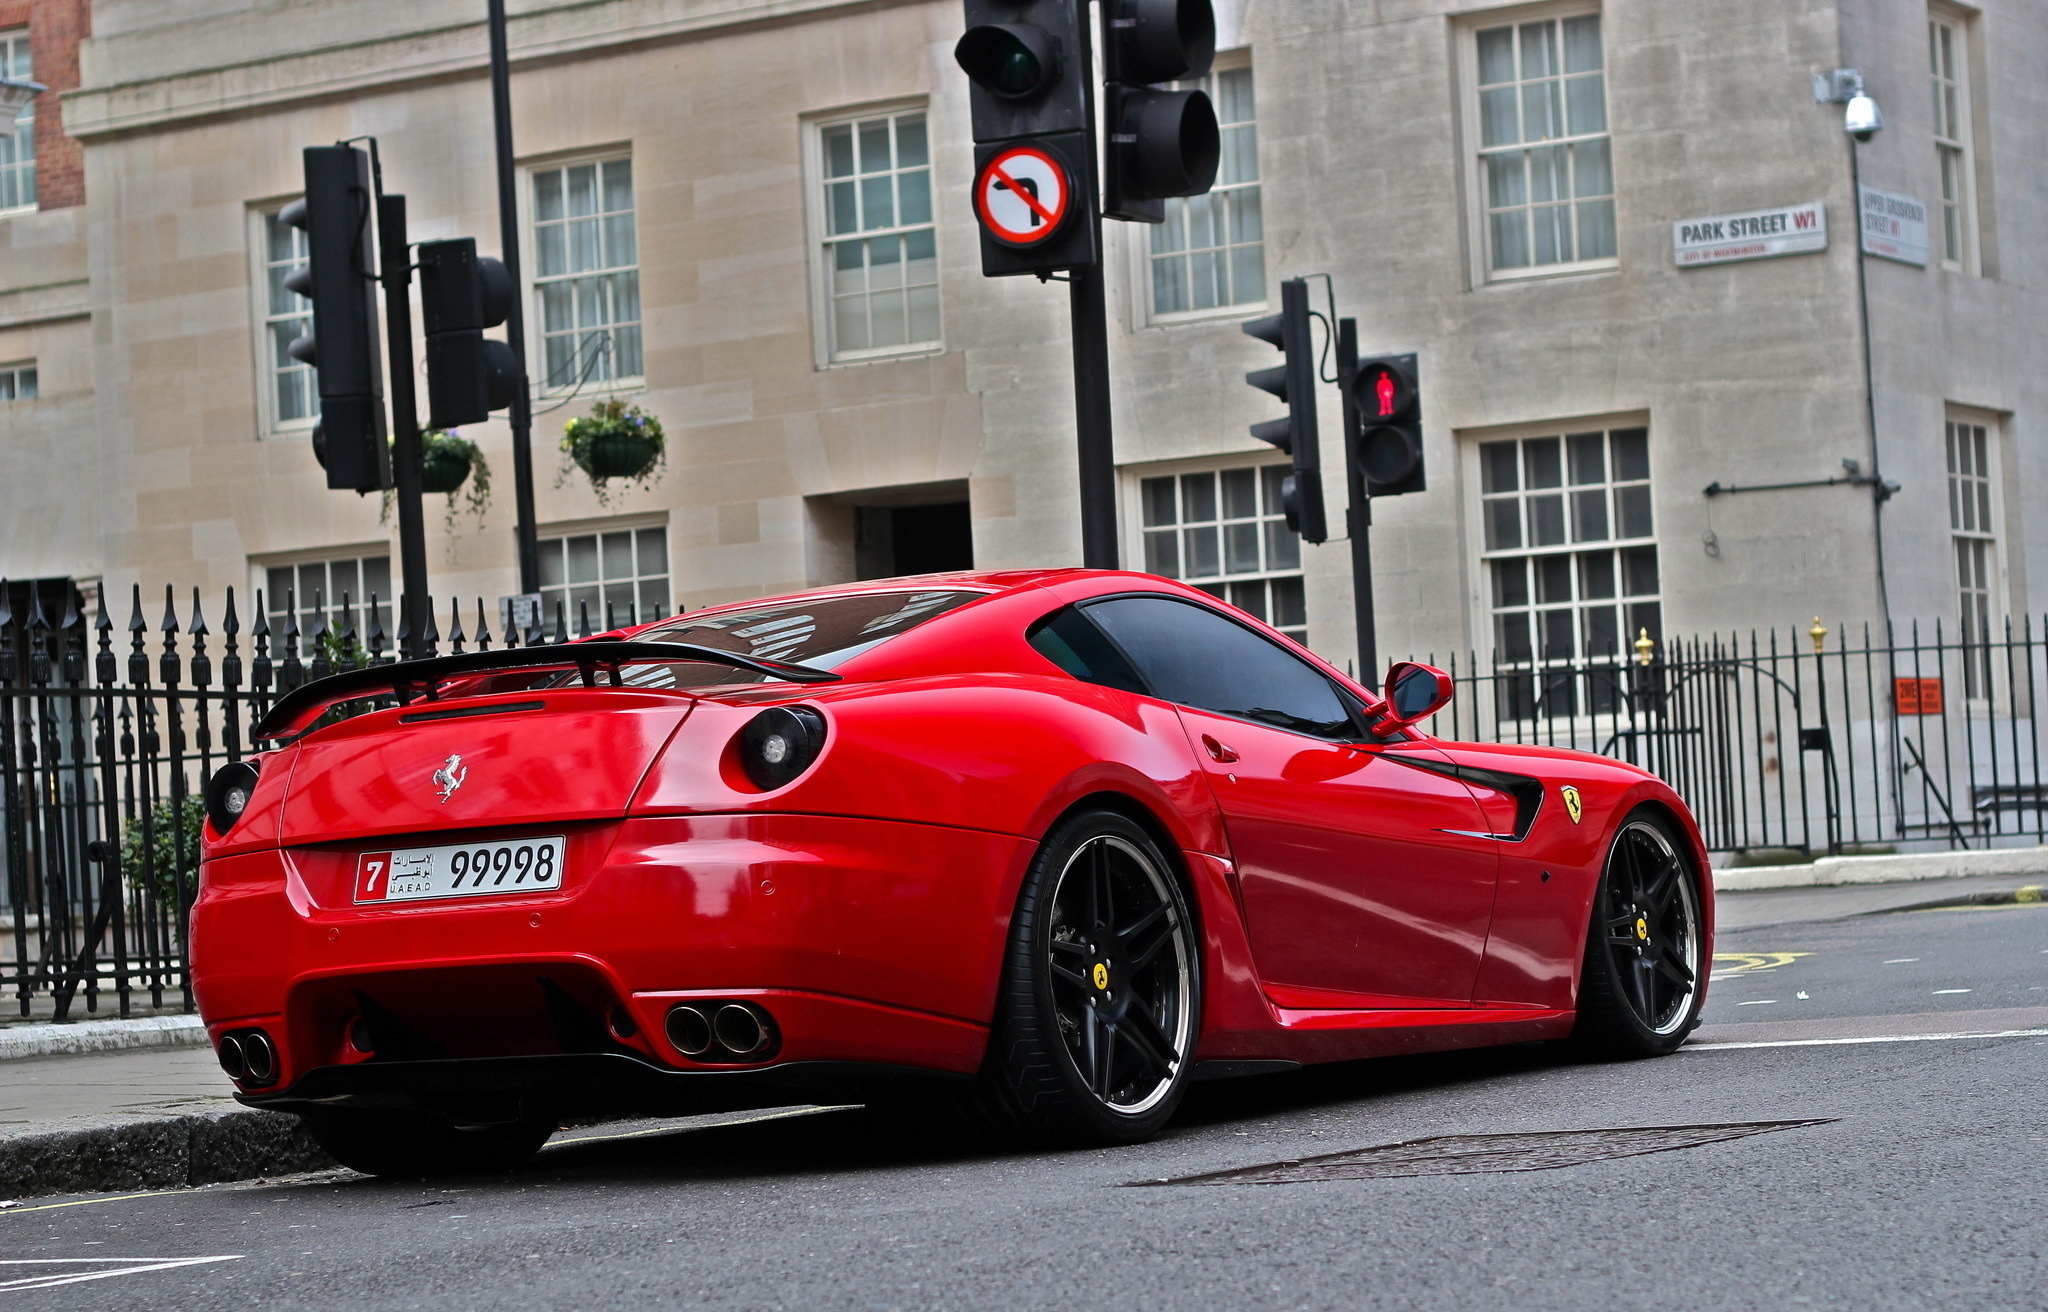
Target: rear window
pixel 821 632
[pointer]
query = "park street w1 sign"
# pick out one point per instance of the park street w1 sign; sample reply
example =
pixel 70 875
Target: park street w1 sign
pixel 1752 235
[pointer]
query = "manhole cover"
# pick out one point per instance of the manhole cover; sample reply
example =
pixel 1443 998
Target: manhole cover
pixel 1473 1154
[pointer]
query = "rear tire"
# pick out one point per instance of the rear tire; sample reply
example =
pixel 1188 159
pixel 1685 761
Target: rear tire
pixel 410 1144
pixel 1099 1009
pixel 1640 989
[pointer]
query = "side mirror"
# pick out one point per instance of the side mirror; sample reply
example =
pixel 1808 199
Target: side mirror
pixel 1414 693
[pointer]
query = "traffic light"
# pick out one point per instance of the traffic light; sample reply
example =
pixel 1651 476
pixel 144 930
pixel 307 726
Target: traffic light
pixel 1389 408
pixel 1294 382
pixel 339 277
pixel 1028 64
pixel 461 294
pixel 1160 143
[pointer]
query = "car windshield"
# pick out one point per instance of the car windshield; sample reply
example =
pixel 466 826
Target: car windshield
pixel 821 632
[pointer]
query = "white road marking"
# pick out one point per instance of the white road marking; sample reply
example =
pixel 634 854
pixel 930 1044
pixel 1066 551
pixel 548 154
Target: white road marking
pixel 1900 961
pixel 1803 996
pixel 1758 1002
pixel 133 1266
pixel 1880 1038
pixel 1939 992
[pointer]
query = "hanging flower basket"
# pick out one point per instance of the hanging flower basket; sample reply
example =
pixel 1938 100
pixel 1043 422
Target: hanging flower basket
pixel 620 454
pixel 442 470
pixel 615 441
pixel 448 463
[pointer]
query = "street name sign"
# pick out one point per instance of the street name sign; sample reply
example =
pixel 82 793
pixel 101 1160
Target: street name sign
pixel 1023 196
pixel 1894 226
pixel 1751 235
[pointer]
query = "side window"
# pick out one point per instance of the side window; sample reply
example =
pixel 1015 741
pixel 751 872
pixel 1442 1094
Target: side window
pixel 1069 640
pixel 1192 655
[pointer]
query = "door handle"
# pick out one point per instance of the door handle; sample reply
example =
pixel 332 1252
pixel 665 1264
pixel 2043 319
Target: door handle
pixel 1218 750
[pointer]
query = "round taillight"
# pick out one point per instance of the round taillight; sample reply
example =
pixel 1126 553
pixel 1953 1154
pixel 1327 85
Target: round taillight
pixel 227 794
pixel 780 744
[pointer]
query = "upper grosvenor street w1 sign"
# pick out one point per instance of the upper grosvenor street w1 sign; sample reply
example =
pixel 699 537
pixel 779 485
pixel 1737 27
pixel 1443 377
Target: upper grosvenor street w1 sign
pixel 1752 235
pixel 1894 226
pixel 1023 196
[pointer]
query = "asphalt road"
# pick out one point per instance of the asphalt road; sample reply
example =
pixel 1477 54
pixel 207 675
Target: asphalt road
pixel 1928 1188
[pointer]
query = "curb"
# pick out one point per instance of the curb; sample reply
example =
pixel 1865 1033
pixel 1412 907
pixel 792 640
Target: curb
pixel 166 1153
pixel 1894 869
pixel 102 1036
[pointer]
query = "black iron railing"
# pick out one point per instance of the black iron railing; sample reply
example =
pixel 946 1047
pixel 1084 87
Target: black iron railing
pixel 1792 739
pixel 106 743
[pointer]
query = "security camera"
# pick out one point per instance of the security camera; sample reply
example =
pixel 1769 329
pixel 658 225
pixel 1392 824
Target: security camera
pixel 1861 119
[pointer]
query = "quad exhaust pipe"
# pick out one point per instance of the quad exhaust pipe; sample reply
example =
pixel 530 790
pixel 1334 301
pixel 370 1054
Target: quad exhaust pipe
pixel 721 1031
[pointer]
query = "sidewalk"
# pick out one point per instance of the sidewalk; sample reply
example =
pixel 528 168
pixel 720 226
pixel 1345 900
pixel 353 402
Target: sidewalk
pixel 145 1118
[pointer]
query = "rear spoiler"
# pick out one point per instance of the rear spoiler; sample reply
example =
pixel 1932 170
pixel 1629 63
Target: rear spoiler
pixel 295 712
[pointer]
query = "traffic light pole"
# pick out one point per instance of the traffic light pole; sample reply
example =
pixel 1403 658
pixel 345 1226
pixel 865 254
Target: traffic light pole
pixel 1092 418
pixel 515 323
pixel 1089 306
pixel 395 259
pixel 1361 508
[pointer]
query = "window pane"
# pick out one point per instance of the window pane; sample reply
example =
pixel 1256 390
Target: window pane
pixel 1591 173
pixel 582 559
pixel 1204 559
pixel 1497 467
pixel 1240 493
pixel 1510 232
pixel 1596 575
pixel 1631 454
pixel 618 184
pixel 547 195
pixel 911 151
pixel 1639 571
pixel 1632 512
pixel 1496 55
pixel 1241 549
pixel 1542 115
pixel 1157 496
pixel 1546 521
pixel 1596 229
pixel 1503 524
pixel 1197 498
pixel 1497 125
pixel 838 152
pixel 1162 554
pixel 1538 57
pixel 1543 459
pixel 1283 546
pixel 1510 583
pixel 1582 44
pixel 1193 656
pixel 1589 516
pixel 1586 102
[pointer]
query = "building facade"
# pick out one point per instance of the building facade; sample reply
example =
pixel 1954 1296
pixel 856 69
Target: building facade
pixel 751 218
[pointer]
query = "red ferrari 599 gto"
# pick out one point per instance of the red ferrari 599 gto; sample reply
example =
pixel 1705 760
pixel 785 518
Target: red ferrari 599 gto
pixel 1053 843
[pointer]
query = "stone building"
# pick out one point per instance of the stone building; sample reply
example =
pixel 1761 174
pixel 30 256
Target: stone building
pixel 751 218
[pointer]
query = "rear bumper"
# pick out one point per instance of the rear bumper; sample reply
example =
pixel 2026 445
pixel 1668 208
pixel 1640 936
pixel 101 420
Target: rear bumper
pixel 869 943
pixel 488 1088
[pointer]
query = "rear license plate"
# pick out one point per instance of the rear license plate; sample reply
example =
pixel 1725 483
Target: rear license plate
pixel 412 874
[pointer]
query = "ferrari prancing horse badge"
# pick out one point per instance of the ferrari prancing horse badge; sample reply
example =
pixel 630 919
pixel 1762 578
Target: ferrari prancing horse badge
pixel 1572 806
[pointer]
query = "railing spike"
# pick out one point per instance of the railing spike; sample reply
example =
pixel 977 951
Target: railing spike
pixel 430 635
pixel 170 624
pixel 483 632
pixel 455 638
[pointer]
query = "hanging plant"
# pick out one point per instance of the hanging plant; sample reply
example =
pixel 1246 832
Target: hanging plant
pixel 448 460
pixel 614 442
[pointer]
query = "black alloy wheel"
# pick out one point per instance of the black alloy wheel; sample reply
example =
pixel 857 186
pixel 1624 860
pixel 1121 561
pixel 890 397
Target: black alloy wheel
pixel 1640 993
pixel 1101 997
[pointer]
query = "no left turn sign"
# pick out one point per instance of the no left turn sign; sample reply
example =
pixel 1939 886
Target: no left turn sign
pixel 1023 196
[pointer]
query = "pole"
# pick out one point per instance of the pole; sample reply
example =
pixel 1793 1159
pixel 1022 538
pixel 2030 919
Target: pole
pixel 395 258
pixel 1090 311
pixel 515 322
pixel 1092 419
pixel 1361 508
pixel 1878 494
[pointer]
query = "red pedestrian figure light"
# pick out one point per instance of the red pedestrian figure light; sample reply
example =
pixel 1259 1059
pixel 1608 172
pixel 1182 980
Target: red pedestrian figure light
pixel 1385 388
